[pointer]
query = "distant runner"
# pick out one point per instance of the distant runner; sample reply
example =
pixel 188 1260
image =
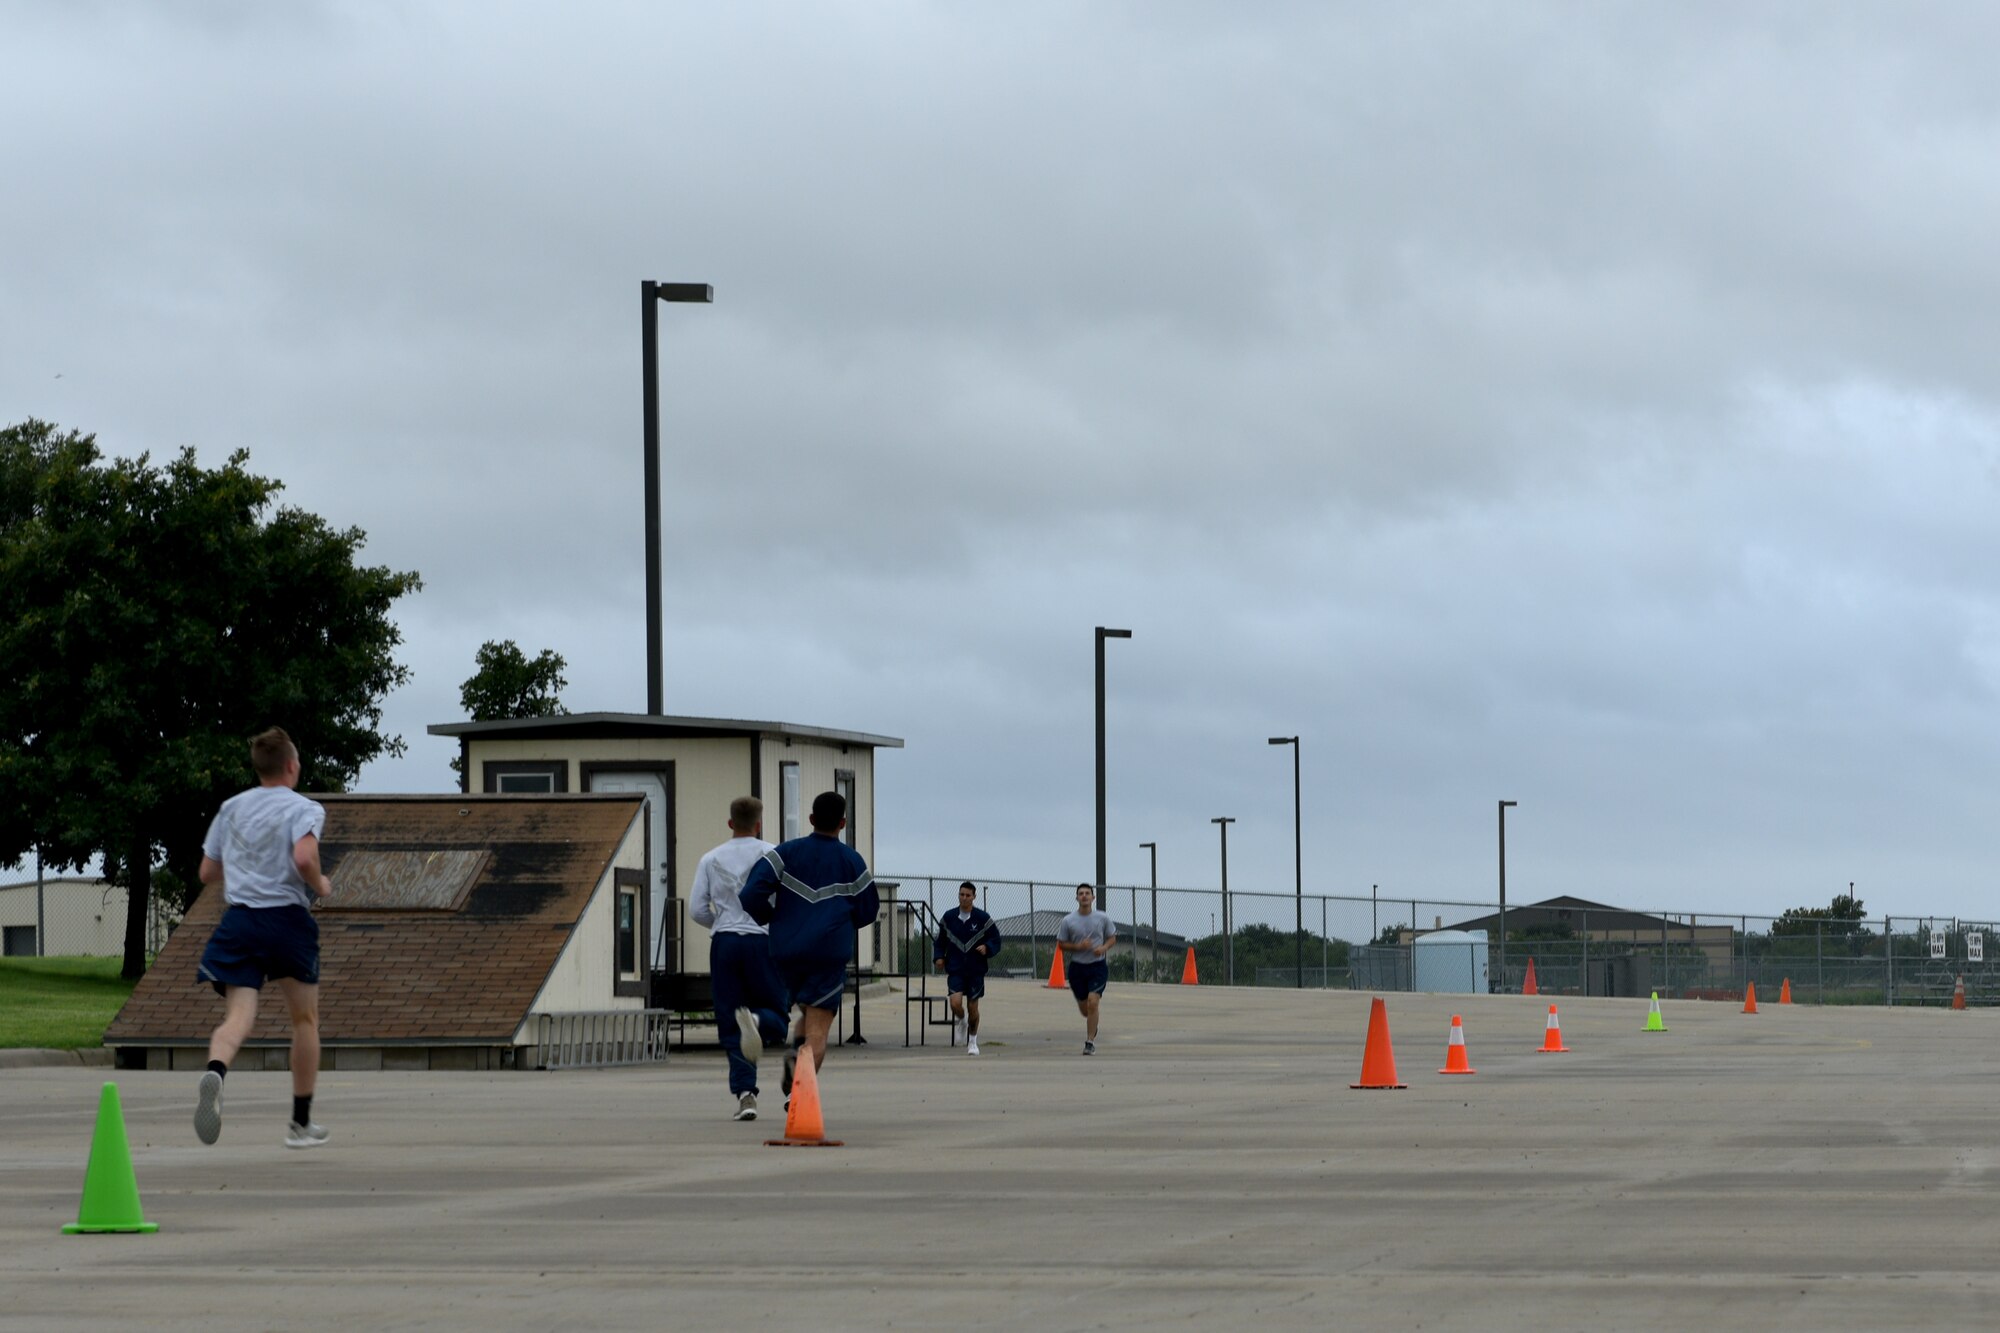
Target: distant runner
pixel 814 893
pixel 1087 936
pixel 747 994
pixel 263 850
pixel 967 941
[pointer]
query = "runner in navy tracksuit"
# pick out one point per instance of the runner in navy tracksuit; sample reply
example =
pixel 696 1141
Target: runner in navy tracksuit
pixel 814 893
pixel 968 939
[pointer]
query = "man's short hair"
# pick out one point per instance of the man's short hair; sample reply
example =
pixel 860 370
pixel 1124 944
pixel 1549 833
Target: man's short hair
pixel 829 808
pixel 968 884
pixel 744 812
pixel 1091 887
pixel 270 751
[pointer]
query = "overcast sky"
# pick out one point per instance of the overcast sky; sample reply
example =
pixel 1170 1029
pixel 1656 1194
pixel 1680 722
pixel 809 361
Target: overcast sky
pixel 1595 406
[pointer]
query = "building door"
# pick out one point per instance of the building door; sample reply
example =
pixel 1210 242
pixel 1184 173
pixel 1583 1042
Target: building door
pixel 668 943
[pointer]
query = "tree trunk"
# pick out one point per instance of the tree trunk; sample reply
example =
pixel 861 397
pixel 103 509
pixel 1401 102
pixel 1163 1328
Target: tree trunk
pixel 139 899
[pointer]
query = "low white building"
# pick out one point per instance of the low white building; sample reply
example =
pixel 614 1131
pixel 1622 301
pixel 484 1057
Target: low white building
pixel 73 918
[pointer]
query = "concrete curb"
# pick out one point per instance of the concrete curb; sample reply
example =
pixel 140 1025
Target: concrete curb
pixel 31 1057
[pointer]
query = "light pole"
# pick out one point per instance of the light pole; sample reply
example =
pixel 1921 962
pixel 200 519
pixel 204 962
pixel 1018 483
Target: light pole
pixel 1298 865
pixel 1503 893
pixel 1228 933
pixel 1102 635
pixel 650 295
pixel 1153 849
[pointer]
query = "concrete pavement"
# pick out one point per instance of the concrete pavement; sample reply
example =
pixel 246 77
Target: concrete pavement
pixel 1800 1168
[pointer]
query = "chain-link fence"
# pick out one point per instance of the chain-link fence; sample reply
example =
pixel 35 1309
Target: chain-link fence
pixel 1566 946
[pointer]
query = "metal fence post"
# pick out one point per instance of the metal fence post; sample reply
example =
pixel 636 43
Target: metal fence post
pixel 1585 987
pixel 1324 965
pixel 1034 935
pixel 1819 957
pixel 1889 954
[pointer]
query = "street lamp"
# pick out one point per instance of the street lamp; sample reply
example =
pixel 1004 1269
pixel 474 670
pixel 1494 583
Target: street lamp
pixel 650 295
pixel 1298 865
pixel 1154 849
pixel 1228 932
pixel 1102 635
pixel 1503 893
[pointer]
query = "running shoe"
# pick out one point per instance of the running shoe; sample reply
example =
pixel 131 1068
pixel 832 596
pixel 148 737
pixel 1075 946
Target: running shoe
pixel 304 1136
pixel 208 1109
pixel 752 1039
pixel 1090 1048
pixel 746 1106
pixel 972 1045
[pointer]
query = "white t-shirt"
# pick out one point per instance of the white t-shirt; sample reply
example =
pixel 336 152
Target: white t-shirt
pixel 252 836
pixel 717 881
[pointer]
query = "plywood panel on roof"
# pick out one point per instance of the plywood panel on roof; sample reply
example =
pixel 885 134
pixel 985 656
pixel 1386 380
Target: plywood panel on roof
pixel 463 975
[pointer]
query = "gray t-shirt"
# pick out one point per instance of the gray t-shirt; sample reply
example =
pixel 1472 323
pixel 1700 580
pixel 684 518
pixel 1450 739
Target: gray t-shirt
pixel 253 835
pixel 1076 928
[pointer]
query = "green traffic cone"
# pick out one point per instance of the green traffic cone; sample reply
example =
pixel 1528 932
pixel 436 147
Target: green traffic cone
pixel 110 1191
pixel 1654 1022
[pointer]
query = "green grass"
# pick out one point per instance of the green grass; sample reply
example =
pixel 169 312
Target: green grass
pixel 63 1003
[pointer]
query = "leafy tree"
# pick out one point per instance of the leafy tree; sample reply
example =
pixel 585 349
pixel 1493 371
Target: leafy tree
pixel 1843 916
pixel 152 619
pixel 508 684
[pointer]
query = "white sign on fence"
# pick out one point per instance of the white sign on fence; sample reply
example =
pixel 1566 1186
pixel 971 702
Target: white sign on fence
pixel 1937 943
pixel 1975 946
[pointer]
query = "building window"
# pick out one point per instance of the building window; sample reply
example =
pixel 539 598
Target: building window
pixel 788 800
pixel 530 775
pixel 18 942
pixel 843 782
pixel 628 931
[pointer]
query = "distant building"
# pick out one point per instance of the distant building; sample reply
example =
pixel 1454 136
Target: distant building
pixel 83 918
pixel 1024 926
pixel 689 769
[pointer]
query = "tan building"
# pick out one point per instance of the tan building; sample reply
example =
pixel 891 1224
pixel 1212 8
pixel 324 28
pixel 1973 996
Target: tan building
pixel 689 769
pixel 75 918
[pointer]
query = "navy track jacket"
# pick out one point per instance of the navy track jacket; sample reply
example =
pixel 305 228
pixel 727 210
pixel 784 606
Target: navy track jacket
pixel 813 892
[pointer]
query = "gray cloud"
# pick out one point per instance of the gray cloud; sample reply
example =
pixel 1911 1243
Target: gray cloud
pixel 1590 407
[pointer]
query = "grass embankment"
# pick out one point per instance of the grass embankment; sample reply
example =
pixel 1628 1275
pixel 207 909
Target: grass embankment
pixel 62 1003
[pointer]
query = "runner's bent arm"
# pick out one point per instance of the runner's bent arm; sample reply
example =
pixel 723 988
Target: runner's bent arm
pixel 305 856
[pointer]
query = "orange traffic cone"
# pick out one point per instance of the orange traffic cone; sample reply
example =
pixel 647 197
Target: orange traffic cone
pixel 1378 1060
pixel 1785 991
pixel 1958 993
pixel 1455 1061
pixel 804 1126
pixel 1189 977
pixel 1056 981
pixel 1750 997
pixel 1528 986
pixel 1552 1040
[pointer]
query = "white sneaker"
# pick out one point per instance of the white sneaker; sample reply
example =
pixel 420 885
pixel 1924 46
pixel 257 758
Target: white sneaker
pixel 304 1136
pixel 208 1109
pixel 746 1106
pixel 752 1040
pixel 1090 1048
pixel 972 1045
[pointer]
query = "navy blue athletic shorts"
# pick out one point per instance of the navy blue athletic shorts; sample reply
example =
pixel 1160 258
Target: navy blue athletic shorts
pixel 1087 979
pixel 254 944
pixel 970 986
pixel 815 983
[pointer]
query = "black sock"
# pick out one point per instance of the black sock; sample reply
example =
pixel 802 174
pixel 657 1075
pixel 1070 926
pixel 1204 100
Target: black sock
pixel 217 1068
pixel 302 1110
